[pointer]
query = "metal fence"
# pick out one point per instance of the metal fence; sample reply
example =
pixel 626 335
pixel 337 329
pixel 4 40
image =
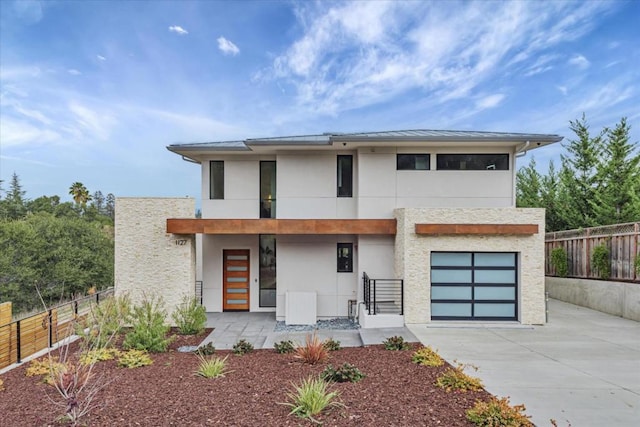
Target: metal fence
pixel 24 337
pixel 622 240
pixel 383 296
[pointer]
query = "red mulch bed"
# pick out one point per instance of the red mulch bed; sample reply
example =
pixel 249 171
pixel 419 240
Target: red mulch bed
pixel 395 392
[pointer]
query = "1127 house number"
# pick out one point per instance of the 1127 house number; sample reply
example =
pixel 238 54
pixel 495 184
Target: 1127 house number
pixel 180 242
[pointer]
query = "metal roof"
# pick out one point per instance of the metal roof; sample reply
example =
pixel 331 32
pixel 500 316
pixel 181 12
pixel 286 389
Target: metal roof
pixel 329 138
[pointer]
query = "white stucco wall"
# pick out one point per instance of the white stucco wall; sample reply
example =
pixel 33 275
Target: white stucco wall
pixel 413 254
pixel 148 261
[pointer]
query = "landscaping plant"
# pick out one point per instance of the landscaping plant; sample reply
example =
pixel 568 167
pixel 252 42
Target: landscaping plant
pixel 426 356
pixel 284 346
pixel 190 316
pixel 332 345
pixel 313 351
pixel 455 379
pixel 396 343
pixel 98 355
pixel 345 373
pixel 212 368
pixel 148 327
pixel 498 413
pixel 242 347
pixel 601 261
pixel 559 261
pixel 312 397
pixel 206 350
pixel 134 359
pixel 104 322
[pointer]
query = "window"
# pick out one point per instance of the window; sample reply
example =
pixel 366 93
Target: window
pixel 474 286
pixel 474 162
pixel 345 176
pixel 267 270
pixel 267 189
pixel 345 257
pixel 216 179
pixel 412 162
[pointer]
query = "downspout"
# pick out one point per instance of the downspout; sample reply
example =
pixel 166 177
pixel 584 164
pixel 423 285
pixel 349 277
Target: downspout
pixel 522 151
pixel 186 159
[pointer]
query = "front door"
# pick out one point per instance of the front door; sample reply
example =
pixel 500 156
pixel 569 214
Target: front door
pixel 235 278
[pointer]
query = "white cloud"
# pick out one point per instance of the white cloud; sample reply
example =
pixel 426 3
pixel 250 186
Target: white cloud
pixel 178 30
pixel 579 61
pixel 489 101
pixel 95 125
pixel 227 47
pixel 19 132
pixel 562 89
pixel 101 58
pixel 73 72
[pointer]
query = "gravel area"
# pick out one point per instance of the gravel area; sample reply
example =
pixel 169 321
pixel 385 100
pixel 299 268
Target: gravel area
pixel 339 323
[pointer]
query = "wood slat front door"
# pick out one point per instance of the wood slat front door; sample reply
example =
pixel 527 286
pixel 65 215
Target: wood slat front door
pixel 235 279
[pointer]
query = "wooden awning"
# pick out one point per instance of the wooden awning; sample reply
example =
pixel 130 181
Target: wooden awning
pixel 281 226
pixel 477 229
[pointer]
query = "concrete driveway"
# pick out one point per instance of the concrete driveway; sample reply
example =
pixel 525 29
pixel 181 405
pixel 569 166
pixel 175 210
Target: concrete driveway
pixel 580 369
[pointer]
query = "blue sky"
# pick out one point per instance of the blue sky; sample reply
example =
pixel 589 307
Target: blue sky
pixel 94 91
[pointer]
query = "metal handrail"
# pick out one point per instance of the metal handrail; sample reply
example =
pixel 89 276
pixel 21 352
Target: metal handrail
pixel 383 296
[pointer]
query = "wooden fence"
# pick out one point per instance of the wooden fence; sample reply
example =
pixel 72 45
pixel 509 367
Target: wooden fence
pixel 622 240
pixel 27 336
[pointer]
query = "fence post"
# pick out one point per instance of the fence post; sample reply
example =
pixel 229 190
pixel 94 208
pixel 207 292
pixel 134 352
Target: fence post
pixel 75 308
pixel 50 327
pixel 374 296
pixel 402 297
pixel 18 355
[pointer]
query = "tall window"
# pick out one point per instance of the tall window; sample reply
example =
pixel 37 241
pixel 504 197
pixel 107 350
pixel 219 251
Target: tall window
pixel 345 176
pixel 267 270
pixel 474 162
pixel 412 162
pixel 345 257
pixel 267 189
pixel 216 179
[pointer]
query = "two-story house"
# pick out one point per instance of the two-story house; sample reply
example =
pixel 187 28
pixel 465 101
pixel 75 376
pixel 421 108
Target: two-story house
pixel 395 227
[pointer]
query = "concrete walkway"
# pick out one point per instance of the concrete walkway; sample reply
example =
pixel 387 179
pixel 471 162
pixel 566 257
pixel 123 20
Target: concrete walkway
pixel 580 369
pixel 258 329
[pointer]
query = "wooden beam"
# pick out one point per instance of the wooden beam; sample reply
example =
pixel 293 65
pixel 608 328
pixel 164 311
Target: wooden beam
pixel 486 229
pixel 281 226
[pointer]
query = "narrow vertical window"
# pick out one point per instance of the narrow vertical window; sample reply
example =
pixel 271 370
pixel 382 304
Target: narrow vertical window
pixel 216 179
pixel 345 176
pixel 267 189
pixel 345 257
pixel 267 270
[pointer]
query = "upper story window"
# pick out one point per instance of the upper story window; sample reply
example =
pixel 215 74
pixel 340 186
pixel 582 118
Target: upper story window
pixel 267 189
pixel 345 176
pixel 216 179
pixel 412 162
pixel 473 162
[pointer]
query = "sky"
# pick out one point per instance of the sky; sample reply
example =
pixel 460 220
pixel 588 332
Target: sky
pixel 94 91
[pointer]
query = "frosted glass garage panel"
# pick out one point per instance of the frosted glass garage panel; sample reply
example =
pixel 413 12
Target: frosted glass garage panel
pixel 495 276
pixel 494 310
pixel 451 292
pixel 450 309
pixel 495 292
pixel 450 259
pixel 495 260
pixel 450 276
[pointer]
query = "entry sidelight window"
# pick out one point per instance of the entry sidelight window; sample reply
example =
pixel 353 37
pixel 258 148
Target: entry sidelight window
pixel 345 176
pixel 267 270
pixel 345 257
pixel 216 179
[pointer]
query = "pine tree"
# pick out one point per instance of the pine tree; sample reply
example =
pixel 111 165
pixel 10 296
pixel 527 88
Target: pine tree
pixel 110 208
pixel 14 203
pixel 616 200
pixel 579 174
pixel 528 186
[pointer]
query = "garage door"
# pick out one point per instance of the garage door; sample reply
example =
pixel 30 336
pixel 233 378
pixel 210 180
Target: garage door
pixel 474 286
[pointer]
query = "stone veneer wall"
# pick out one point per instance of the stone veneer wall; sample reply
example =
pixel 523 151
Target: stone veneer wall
pixel 147 259
pixel 413 254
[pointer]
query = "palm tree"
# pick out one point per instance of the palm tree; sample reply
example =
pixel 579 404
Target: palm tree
pixel 80 194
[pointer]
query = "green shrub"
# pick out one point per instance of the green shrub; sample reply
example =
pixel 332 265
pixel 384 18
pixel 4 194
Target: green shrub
pixel 90 357
pixel 212 368
pixel 148 327
pixel 190 317
pixel 285 346
pixel 345 373
pixel 396 343
pixel 331 344
pixel 206 350
pixel 426 356
pixel 104 322
pixel 242 347
pixel 312 397
pixel 559 261
pixel 455 379
pixel 601 261
pixel 134 359
pixel 637 264
pixel 313 351
pixel 498 413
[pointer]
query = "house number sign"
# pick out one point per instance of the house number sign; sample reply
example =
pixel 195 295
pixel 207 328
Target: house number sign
pixel 180 242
